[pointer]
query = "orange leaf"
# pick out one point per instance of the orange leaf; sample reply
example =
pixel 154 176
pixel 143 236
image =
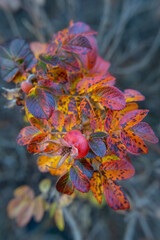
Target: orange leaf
pixel 117 169
pixel 89 84
pixel 110 97
pixel 130 119
pixel 133 143
pixel 114 195
pixel 96 186
pixel 116 145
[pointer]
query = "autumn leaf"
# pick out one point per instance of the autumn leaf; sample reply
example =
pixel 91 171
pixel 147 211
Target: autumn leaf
pixel 133 95
pixel 88 84
pixel 110 97
pixel 57 120
pixel 117 169
pixel 77 44
pixel 40 103
pixel 64 184
pixel 59 219
pixel 144 131
pixel 26 135
pixel 97 146
pixel 133 143
pixel 80 181
pixel 70 121
pixel 38 210
pixel 96 186
pixel 116 145
pixel 84 166
pixel 114 195
pixel 131 118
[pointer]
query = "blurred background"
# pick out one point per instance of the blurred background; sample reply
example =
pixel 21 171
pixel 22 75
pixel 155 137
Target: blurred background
pixel 129 37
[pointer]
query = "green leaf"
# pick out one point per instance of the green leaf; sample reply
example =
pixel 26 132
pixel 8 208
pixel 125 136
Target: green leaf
pixel 99 135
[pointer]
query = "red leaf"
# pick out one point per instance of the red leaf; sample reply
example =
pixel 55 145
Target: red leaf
pixel 117 169
pixel 77 44
pixel 114 195
pixel 101 67
pixel 133 95
pixel 110 97
pixel 144 131
pixel 89 84
pixel 132 118
pixel 64 184
pixel 116 145
pixel 80 181
pixel 57 120
pixel 133 143
pixel 26 134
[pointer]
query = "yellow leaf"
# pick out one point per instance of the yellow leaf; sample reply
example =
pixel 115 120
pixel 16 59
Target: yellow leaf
pixel 45 185
pixel 59 219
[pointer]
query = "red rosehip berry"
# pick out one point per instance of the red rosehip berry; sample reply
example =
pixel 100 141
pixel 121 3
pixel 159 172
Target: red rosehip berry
pixel 77 139
pixel 26 86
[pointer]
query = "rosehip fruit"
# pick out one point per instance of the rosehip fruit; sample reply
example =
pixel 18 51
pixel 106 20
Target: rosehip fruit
pixel 77 139
pixel 26 86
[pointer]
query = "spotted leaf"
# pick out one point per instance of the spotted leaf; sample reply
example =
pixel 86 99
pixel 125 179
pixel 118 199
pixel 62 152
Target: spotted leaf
pixel 96 186
pixel 131 118
pixel 110 97
pixel 89 84
pixel 57 120
pixel 133 143
pixel 144 131
pixel 62 104
pixel 114 195
pixel 26 134
pixel 117 169
pixel 133 95
pixel 116 145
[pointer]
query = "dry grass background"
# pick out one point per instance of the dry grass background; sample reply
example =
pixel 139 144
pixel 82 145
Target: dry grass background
pixel 129 37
